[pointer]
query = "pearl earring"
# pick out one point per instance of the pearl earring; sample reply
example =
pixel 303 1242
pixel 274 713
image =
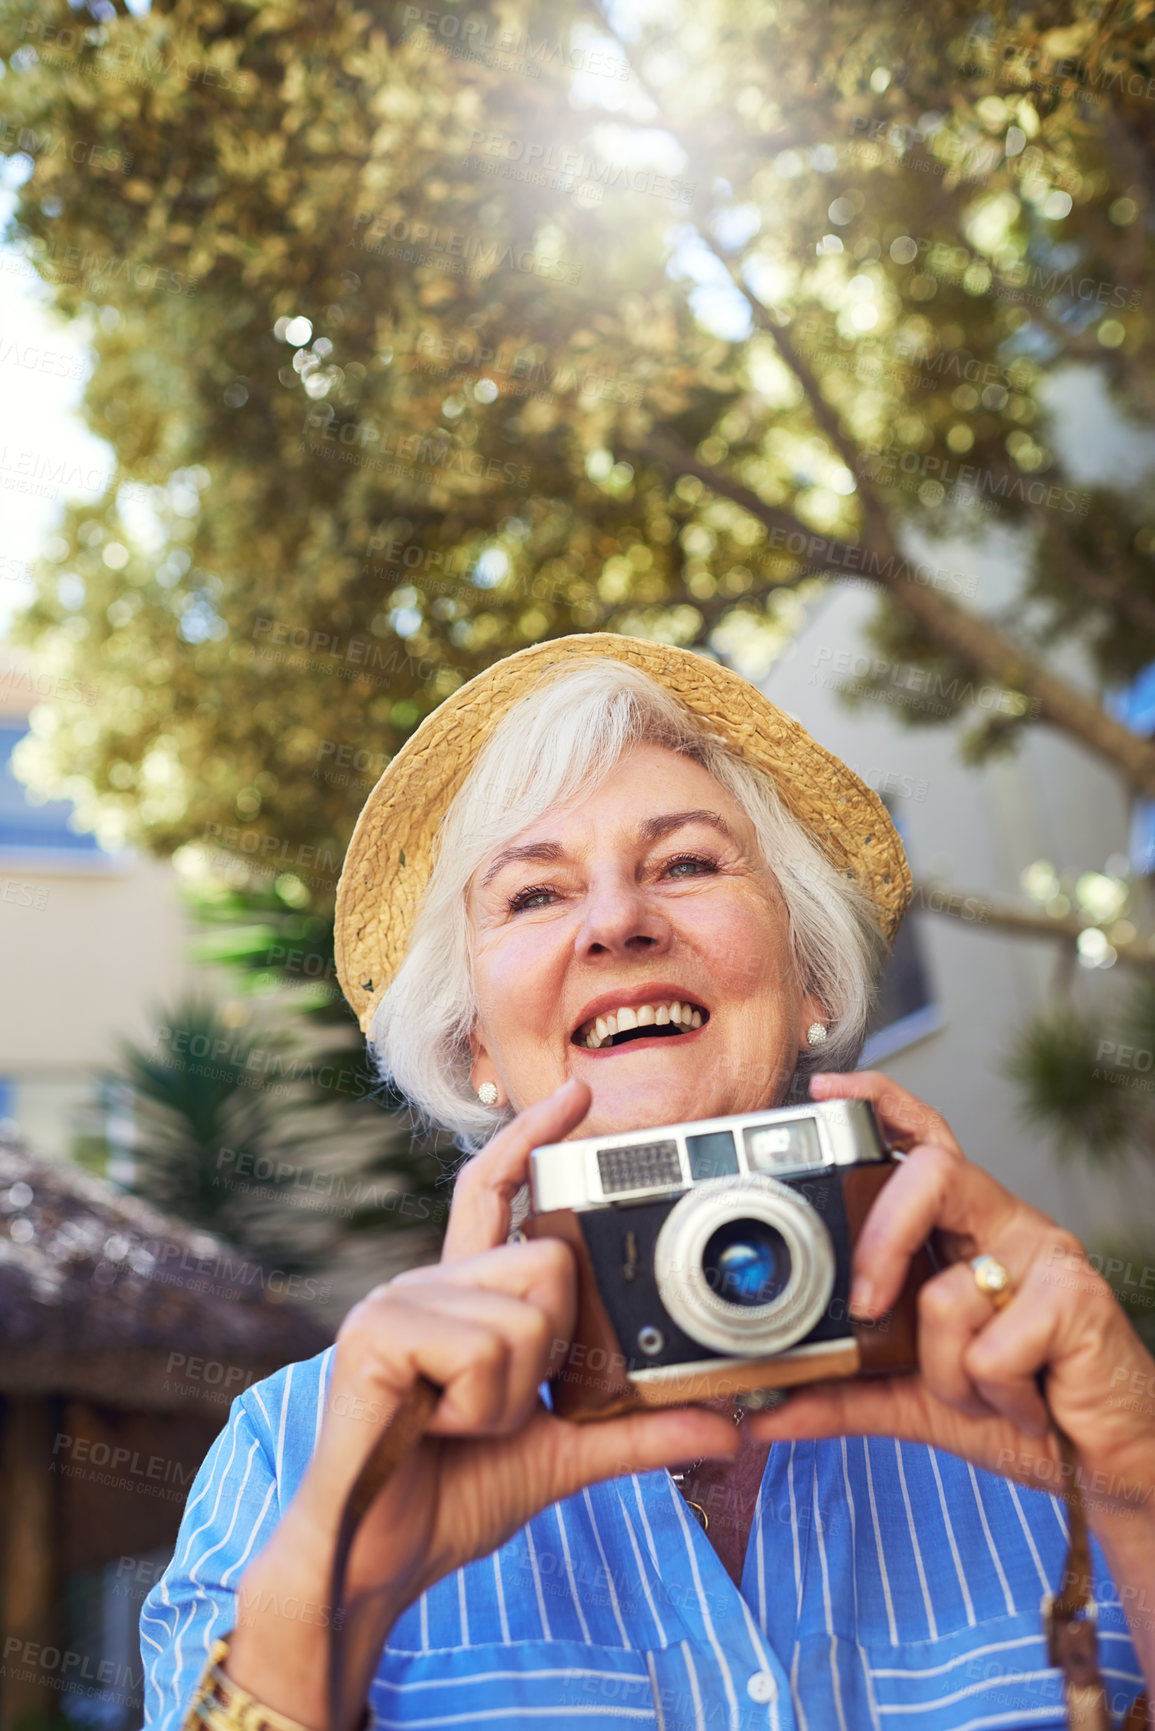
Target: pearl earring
pixel 487 1093
pixel 816 1034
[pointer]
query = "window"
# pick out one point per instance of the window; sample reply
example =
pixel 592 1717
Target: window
pixel 1135 708
pixel 102 1622
pixel 906 1009
pixel 40 834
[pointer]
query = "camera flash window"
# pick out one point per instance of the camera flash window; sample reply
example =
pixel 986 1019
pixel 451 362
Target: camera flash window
pixel 644 1166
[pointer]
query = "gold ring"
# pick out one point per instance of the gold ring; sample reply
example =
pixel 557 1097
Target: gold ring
pixel 992 1279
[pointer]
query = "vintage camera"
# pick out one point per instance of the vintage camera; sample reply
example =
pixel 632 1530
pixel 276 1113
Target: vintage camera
pixel 714 1257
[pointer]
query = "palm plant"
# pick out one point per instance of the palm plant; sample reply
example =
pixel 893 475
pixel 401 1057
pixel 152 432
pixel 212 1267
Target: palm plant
pixel 241 1127
pixel 1088 1080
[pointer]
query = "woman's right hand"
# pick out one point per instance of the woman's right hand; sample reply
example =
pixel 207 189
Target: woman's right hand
pixel 487 1325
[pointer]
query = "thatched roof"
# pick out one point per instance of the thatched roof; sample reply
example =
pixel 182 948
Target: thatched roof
pixel 105 1298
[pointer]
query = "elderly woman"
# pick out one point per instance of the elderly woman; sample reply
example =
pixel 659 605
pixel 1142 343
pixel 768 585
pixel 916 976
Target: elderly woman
pixel 605 886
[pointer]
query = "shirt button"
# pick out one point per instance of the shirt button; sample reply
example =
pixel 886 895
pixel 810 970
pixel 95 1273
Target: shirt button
pixel 762 1687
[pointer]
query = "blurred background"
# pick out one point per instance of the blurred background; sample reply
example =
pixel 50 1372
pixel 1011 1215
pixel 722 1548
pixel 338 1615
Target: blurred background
pixel 344 350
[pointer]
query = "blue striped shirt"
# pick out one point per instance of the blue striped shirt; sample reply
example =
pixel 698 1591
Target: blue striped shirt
pixel 886 1585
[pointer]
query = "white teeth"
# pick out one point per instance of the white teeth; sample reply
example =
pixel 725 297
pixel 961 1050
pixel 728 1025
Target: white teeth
pixel 602 1029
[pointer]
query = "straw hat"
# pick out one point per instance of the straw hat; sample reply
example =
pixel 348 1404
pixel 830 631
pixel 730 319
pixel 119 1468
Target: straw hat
pixel 391 854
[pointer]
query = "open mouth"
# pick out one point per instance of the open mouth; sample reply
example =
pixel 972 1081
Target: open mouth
pixel 670 1018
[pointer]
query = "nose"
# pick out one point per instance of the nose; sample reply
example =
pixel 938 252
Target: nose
pixel 620 920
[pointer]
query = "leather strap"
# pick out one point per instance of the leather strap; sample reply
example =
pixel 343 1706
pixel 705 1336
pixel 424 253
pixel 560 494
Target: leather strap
pixel 1069 1618
pixel 403 1431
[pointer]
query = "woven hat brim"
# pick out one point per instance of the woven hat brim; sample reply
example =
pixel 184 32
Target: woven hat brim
pixel 391 854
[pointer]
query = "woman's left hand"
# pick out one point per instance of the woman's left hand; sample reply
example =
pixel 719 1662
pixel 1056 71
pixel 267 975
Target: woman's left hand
pixel 975 1393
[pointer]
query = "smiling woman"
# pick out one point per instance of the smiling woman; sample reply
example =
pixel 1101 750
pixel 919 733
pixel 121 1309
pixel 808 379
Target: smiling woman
pixel 606 887
pixel 686 900
pixel 599 743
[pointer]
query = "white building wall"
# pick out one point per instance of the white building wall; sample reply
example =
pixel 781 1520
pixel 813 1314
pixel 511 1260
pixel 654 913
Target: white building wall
pixel 82 971
pixel 91 949
pixel 979 828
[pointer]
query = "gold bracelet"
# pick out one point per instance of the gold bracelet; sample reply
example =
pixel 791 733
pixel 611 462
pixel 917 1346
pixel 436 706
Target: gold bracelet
pixel 219 1704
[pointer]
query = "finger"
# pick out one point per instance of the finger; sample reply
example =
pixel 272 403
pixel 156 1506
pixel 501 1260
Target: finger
pixel 1007 1353
pixel 542 1272
pixel 934 1187
pixel 900 1111
pixel 1013 1392
pixel 980 1360
pixel 903 1407
pixel 880 1406
pixel 584 1454
pixel 479 1217
pixel 473 1402
pixel 951 1312
pixel 483 1349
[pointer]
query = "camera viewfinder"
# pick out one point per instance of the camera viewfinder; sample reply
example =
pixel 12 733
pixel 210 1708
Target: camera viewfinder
pixel 782 1147
pixel 713 1155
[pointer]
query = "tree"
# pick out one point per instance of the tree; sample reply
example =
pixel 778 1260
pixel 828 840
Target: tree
pixel 251 1134
pixel 423 334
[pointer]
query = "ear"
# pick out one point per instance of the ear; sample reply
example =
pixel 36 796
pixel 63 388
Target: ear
pixel 483 1069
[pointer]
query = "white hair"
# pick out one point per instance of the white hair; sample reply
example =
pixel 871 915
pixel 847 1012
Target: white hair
pixel 556 745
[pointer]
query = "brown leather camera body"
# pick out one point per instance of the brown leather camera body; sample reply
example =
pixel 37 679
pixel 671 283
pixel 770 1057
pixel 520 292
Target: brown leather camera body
pixel 594 1382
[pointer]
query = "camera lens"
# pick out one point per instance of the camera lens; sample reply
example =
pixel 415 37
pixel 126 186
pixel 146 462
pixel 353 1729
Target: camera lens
pixel 746 1262
pixel 744 1265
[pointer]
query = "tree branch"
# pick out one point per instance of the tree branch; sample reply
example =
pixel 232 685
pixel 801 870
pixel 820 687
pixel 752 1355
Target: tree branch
pixel 1025 922
pixel 974 639
pixel 1116 597
pixel 661 447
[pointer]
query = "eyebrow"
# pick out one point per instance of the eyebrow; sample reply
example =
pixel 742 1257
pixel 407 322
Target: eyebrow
pixel 651 830
pixel 654 828
pixel 540 850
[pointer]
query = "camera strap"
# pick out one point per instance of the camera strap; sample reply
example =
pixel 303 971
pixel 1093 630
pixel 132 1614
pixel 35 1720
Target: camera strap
pixel 1069 1615
pixel 1069 1622
pixel 403 1432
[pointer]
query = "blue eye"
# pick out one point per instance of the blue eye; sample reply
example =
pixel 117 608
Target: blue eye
pixel 528 898
pixel 694 860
